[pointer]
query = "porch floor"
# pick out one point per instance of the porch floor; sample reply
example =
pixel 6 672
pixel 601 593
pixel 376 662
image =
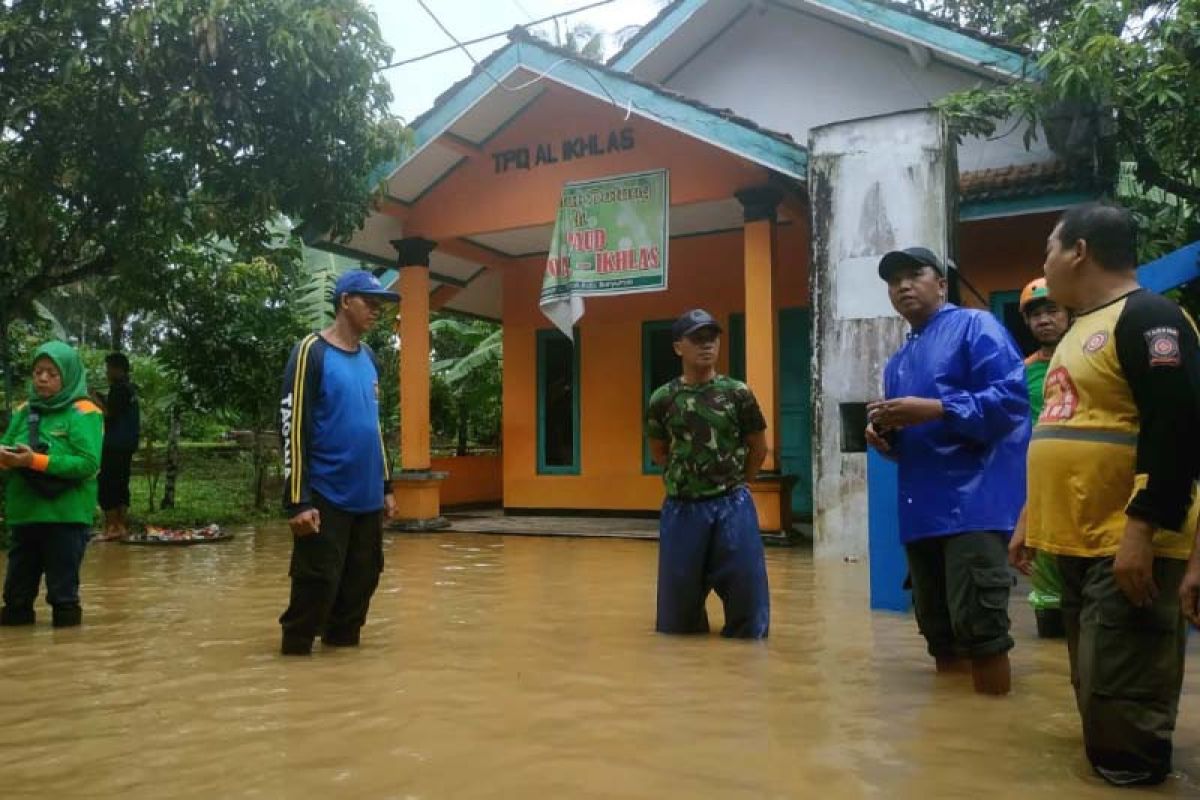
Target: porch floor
pixel 493 520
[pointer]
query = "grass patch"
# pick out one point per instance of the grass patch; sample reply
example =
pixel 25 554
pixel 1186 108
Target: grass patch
pixel 215 484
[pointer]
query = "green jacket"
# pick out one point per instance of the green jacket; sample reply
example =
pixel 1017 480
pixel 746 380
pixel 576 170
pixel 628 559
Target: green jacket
pixel 74 435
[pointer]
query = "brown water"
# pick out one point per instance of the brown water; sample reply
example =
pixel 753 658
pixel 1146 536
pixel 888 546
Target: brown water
pixel 517 667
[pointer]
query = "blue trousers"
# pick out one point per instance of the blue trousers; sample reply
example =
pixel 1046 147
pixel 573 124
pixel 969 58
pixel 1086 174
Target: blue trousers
pixel 53 550
pixel 707 545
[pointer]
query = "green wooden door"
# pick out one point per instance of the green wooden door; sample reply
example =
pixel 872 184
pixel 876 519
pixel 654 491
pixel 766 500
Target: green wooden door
pixel 795 402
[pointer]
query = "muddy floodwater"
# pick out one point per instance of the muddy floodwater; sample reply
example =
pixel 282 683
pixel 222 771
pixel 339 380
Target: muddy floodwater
pixel 516 667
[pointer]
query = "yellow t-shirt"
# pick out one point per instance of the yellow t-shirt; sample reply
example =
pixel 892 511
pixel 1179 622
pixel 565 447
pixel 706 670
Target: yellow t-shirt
pixel 1115 436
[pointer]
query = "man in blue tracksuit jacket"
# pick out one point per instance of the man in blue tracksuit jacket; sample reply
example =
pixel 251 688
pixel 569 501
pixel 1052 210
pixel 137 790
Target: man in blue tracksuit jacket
pixel 956 419
pixel 335 471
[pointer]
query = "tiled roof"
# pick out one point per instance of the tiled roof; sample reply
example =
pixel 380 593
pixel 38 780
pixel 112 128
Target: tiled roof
pixel 1026 180
pixel 904 8
pixel 520 35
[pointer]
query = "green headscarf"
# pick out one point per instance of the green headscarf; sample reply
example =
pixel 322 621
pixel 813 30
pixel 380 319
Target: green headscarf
pixel 74 378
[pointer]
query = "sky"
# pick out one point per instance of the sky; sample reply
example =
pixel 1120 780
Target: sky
pixel 411 32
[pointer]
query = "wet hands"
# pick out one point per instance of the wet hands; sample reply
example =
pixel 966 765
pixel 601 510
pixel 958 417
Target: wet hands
pixel 16 457
pixel 306 523
pixel 1133 567
pixel 875 440
pixel 902 412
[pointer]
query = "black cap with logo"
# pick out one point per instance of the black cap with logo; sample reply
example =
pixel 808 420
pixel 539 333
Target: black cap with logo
pixel 912 256
pixel 692 321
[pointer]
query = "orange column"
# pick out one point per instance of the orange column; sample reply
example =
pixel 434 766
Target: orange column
pixel 762 347
pixel 414 367
pixel 772 499
pixel 415 487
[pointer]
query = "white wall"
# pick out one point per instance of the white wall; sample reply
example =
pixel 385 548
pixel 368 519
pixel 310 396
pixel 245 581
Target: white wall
pixel 791 72
pixel 876 185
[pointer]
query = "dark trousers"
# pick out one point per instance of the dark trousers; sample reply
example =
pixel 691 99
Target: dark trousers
pixel 1126 664
pixel 53 550
pixel 960 588
pixel 334 573
pixel 707 545
pixel 113 480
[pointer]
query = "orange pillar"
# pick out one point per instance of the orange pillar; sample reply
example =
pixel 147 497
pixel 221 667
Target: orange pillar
pixel 762 346
pixel 415 487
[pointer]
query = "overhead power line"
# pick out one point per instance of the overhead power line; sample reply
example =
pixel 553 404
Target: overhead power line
pixel 529 24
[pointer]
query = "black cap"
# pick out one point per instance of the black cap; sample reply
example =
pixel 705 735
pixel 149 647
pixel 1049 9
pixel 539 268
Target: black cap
pixel 693 321
pixel 920 256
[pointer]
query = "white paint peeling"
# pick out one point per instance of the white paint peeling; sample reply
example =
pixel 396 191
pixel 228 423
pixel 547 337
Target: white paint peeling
pixel 876 184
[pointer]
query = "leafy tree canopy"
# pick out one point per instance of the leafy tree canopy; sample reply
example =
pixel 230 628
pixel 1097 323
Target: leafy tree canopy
pixel 1124 71
pixel 131 127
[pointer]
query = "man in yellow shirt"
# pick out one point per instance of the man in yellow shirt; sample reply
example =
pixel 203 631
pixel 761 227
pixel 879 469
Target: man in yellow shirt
pixel 1111 484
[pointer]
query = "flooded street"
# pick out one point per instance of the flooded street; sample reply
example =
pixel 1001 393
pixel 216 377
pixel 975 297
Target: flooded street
pixel 510 667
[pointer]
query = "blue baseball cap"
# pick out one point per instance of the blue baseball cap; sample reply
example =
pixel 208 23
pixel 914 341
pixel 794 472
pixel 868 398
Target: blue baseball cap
pixel 359 281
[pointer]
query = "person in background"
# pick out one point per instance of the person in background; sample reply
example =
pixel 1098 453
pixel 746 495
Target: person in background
pixel 708 434
pixel 122 429
pixel 50 454
pixel 1048 321
pixel 1112 490
pixel 956 419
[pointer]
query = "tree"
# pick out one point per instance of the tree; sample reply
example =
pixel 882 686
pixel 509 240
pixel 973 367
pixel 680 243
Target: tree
pixel 468 356
pixel 130 128
pixel 1124 73
pixel 229 329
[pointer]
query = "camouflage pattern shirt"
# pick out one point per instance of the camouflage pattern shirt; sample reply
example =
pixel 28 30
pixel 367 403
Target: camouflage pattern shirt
pixel 705 428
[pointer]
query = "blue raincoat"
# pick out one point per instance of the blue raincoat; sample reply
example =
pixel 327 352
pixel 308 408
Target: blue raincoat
pixel 966 471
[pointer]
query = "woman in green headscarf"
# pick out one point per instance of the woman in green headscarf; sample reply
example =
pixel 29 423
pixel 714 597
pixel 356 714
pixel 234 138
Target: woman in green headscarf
pixel 51 454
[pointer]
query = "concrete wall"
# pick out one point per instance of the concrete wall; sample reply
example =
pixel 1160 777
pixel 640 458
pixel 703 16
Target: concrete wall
pixel 876 185
pixel 791 72
pixel 470 480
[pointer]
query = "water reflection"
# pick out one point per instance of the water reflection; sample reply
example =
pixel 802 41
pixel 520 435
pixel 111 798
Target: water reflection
pixel 516 667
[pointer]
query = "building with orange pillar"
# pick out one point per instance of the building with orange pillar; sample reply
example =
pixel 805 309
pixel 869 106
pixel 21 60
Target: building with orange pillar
pixel 467 218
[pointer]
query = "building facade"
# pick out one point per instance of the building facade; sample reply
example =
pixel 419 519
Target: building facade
pixel 730 97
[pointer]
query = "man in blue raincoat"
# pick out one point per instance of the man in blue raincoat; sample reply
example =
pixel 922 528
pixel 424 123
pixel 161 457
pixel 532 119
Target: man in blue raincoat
pixel 956 419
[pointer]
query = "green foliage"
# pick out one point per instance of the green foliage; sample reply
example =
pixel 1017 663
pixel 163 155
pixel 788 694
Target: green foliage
pixel 466 380
pixel 1125 72
pixel 383 341
pixel 231 328
pixel 129 129
pixel 212 488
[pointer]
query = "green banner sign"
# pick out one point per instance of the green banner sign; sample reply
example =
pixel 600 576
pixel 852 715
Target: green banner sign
pixel 610 238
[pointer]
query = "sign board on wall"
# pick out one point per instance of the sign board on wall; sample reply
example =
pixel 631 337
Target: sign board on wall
pixel 610 238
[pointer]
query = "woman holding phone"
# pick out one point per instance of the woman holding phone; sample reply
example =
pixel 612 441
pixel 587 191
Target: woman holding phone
pixel 50 455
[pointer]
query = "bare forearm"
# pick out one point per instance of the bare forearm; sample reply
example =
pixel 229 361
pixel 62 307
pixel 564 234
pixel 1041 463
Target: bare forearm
pixel 658 452
pixel 755 456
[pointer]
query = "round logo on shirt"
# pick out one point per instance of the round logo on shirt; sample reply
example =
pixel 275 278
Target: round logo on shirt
pixel 1095 342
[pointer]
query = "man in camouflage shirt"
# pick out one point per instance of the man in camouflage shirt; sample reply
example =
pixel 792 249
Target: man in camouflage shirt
pixel 708 433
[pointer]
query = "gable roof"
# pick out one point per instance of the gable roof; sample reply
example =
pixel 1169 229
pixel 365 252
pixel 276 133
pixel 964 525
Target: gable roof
pixel 882 18
pixel 475 108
